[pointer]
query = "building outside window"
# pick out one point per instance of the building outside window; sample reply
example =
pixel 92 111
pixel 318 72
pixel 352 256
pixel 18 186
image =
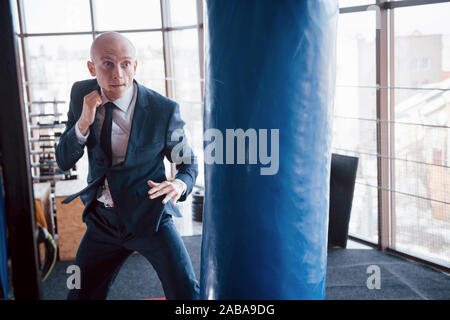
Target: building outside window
pixel 418 107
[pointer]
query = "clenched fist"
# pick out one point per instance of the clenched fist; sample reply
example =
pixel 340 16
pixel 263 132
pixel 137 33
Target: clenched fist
pixel 91 102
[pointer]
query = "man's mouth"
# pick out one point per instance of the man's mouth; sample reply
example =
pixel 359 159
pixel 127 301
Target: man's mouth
pixel 117 85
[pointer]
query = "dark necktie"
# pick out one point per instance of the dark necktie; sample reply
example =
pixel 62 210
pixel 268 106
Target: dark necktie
pixel 105 135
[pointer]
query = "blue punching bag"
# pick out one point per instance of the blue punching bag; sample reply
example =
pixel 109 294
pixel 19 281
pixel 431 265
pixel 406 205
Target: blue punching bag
pixel 270 71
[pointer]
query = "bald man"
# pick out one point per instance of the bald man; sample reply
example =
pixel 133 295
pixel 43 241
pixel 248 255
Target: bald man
pixel 127 129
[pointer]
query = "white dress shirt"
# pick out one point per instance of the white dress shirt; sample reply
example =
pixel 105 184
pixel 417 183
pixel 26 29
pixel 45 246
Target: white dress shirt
pixel 120 133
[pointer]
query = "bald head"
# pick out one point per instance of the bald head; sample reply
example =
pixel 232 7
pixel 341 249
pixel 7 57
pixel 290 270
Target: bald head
pixel 111 41
pixel 113 63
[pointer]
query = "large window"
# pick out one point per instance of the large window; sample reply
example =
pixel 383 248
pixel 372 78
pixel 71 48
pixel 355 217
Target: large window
pixel 57 35
pixel 392 106
pixel 421 99
pixel 393 112
pixel 354 125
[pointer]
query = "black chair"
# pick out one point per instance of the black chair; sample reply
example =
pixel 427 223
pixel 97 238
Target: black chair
pixel 342 186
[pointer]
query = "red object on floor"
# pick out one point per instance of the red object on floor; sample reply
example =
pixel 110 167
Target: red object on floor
pixel 163 298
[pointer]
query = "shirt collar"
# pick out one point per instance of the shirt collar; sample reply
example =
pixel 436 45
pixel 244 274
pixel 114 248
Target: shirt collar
pixel 123 102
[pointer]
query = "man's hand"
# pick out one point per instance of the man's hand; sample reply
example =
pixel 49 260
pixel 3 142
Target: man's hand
pixel 90 104
pixel 172 189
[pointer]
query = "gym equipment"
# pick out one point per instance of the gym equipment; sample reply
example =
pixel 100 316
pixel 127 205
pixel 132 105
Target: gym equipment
pixel 197 204
pixel 342 186
pixel 51 251
pixel 270 65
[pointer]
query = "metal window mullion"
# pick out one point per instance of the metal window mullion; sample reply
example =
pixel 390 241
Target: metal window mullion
pixel 91 10
pixel 417 257
pixel 22 30
pixel 353 9
pixel 393 217
pixel 168 60
pixel 201 46
pixel 382 129
pixel 390 5
pixel 410 3
pixel 167 48
pixel 76 33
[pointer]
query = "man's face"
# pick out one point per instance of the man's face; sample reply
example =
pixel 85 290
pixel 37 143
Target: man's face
pixel 114 65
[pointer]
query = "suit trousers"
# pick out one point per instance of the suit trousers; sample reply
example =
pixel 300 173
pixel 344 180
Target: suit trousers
pixel 107 244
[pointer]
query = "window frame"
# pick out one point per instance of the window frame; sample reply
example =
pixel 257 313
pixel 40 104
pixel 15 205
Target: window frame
pixel 385 104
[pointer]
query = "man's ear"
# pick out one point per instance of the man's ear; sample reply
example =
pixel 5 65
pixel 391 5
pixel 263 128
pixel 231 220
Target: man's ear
pixel 135 66
pixel 91 68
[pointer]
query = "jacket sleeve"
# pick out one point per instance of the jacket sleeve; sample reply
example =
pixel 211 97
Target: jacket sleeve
pixel 178 151
pixel 69 150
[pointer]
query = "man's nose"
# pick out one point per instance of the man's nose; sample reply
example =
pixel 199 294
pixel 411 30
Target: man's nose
pixel 117 73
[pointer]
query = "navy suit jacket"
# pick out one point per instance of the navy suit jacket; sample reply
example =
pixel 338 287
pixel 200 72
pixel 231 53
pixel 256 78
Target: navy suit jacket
pixel 154 120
